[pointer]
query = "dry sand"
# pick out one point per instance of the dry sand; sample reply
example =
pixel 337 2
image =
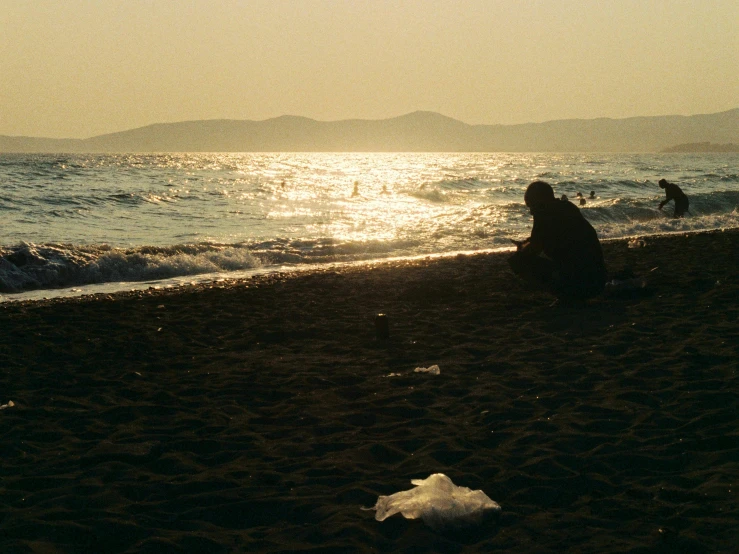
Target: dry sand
pixel 259 415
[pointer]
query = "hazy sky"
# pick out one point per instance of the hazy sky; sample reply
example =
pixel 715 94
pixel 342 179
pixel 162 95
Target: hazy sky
pixel 73 68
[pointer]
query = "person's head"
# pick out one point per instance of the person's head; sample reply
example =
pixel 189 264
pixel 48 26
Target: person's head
pixel 538 195
pixel 592 194
pixel 662 183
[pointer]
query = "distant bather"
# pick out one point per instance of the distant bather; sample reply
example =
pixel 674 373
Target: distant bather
pixel 673 192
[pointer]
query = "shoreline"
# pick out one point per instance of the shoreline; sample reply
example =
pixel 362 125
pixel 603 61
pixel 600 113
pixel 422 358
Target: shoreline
pixel 263 414
pixel 208 280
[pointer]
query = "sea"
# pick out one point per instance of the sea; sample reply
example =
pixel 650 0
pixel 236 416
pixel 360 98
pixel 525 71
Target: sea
pixel 99 223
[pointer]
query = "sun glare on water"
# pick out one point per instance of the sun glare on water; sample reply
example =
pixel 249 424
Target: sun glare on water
pixel 354 198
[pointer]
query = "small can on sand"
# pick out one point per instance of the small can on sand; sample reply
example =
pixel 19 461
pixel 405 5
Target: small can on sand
pixel 382 329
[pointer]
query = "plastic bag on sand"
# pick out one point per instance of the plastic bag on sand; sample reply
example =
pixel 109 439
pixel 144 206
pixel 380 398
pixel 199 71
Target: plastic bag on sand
pixel 438 501
pixel 433 370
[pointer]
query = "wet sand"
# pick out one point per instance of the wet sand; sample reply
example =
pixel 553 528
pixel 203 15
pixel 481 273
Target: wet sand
pixel 261 415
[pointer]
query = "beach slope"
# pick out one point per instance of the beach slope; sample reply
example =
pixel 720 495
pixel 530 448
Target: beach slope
pixel 261 415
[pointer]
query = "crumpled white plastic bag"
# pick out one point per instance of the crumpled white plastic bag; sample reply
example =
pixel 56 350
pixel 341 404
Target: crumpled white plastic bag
pixel 433 370
pixel 438 501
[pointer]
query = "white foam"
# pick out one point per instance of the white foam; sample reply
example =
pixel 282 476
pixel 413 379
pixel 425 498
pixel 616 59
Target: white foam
pixel 31 266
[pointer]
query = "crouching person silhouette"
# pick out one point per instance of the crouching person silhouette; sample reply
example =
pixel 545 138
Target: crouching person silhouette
pixel 563 254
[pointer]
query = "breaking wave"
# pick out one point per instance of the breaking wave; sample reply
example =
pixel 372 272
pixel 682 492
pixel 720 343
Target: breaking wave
pixel 30 266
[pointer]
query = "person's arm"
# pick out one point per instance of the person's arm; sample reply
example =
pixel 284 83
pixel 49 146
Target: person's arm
pixel 669 195
pixel 532 245
pixel 525 245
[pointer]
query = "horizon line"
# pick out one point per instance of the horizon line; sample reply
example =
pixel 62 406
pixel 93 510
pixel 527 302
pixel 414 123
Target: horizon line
pixel 430 112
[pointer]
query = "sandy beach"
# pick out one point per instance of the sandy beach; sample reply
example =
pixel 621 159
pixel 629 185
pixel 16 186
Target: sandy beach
pixel 262 415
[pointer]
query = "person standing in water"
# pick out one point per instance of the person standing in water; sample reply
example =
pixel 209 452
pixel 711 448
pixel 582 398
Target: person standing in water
pixel 563 254
pixel 673 192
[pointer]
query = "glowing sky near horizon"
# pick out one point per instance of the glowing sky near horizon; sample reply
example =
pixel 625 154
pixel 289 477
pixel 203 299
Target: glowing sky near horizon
pixel 77 68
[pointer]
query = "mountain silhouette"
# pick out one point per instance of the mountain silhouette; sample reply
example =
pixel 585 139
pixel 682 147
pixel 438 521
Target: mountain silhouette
pixel 420 131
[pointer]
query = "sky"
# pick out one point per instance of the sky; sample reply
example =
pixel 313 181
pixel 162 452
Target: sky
pixel 76 69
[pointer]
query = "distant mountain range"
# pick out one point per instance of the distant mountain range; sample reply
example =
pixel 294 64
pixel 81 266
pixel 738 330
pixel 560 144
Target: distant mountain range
pixel 414 132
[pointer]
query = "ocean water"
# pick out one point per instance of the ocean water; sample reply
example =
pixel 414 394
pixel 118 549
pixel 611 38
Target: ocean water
pixel 76 224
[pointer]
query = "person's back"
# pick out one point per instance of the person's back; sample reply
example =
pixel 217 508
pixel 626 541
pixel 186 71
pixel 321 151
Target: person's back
pixel 570 241
pixel 566 236
pixel 575 267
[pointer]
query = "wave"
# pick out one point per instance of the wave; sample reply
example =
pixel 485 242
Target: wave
pixel 30 266
pixel 623 217
pixel 732 178
pixel 661 225
pixel 431 195
pixel 629 208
